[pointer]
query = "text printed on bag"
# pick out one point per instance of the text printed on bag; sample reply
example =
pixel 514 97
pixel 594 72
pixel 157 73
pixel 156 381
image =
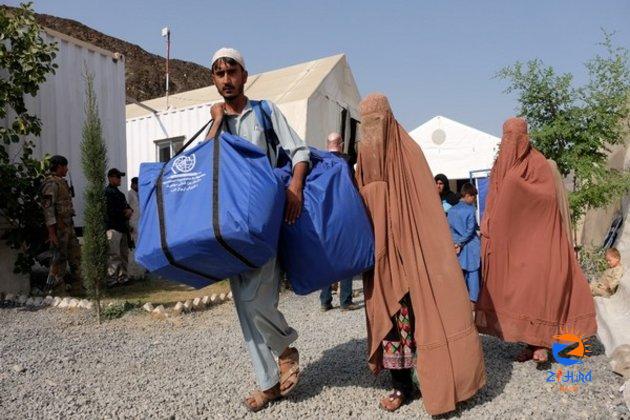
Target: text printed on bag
pixel 183 179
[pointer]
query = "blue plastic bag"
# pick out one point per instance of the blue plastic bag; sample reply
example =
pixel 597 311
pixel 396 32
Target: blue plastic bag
pixel 205 219
pixel 333 238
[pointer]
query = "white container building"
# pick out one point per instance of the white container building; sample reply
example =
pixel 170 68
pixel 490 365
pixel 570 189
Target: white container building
pixel 60 105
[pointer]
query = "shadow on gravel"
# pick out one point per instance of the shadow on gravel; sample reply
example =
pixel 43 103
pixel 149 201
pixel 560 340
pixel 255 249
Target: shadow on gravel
pixel 20 308
pixel 597 348
pixel 345 366
pixel 341 366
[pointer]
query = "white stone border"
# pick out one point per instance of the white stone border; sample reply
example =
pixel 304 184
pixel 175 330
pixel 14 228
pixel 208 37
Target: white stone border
pixel 196 304
pixel 180 308
pixel 39 302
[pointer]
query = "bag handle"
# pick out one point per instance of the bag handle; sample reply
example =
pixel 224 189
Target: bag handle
pixel 216 225
pixel 263 116
pixel 211 123
pixel 215 210
pixel 159 198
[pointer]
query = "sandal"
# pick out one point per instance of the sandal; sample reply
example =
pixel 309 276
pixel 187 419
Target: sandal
pixel 392 402
pixel 544 351
pixel 261 400
pixel 289 365
pixel 528 353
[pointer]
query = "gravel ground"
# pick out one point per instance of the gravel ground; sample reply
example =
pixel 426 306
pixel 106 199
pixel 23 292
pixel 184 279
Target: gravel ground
pixel 196 366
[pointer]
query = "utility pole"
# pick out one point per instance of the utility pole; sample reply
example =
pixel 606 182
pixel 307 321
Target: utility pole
pixel 166 33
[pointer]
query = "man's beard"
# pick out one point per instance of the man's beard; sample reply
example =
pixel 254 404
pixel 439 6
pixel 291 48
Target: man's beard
pixel 235 93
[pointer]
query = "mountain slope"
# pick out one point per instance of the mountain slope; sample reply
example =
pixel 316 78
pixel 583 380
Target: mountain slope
pixel 145 72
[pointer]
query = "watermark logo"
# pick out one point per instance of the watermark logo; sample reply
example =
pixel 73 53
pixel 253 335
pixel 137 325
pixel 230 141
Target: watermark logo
pixel 570 350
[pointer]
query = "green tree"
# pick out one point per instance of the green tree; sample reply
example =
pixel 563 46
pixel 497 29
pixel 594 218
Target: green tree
pixel 577 125
pixel 25 62
pixel 94 163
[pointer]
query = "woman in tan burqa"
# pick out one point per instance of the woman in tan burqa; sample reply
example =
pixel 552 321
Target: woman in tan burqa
pixel 417 308
pixel 533 287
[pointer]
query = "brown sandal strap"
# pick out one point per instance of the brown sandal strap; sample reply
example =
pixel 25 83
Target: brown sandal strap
pixel 292 359
pixel 289 373
pixel 289 380
pixel 396 395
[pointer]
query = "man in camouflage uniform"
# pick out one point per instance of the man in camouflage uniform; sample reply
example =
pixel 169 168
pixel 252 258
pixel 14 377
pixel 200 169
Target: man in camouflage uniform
pixel 58 213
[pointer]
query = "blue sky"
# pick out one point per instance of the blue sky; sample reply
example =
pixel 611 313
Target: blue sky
pixel 430 57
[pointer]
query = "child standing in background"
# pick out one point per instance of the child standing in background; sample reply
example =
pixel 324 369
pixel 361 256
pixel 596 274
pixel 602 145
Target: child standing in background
pixel 463 224
pixel 607 284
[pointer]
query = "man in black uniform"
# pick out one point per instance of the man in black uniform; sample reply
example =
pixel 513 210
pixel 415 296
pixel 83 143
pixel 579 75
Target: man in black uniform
pixel 117 222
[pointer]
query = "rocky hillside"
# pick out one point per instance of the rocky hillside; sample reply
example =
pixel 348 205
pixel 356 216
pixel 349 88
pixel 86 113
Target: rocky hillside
pixel 144 71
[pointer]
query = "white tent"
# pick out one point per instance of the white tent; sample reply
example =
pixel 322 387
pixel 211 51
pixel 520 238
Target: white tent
pixel 454 149
pixel 317 97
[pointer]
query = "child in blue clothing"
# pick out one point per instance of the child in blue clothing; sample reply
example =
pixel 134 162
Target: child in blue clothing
pixel 463 225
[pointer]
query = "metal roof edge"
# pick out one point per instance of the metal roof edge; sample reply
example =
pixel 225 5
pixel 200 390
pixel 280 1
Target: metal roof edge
pixel 114 55
pixel 339 58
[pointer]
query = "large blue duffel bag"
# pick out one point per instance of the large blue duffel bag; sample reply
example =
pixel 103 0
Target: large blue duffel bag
pixel 203 218
pixel 332 240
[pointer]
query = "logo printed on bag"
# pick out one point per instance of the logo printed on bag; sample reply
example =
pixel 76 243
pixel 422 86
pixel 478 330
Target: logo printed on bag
pixel 184 164
pixel 182 179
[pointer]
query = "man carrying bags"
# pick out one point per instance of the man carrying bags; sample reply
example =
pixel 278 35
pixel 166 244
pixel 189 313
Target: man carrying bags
pixel 266 332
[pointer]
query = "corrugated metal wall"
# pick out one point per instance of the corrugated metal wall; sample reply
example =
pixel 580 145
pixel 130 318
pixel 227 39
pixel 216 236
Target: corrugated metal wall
pixel 60 104
pixel 144 131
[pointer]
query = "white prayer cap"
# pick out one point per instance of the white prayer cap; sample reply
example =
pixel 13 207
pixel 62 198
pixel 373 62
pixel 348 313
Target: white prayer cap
pixel 228 53
pixel 334 137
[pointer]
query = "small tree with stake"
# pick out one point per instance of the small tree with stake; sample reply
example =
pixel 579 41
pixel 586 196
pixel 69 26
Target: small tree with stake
pixel 94 162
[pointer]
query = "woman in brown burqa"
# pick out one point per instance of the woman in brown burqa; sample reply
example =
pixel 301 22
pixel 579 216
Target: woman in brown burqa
pixel 418 314
pixel 533 287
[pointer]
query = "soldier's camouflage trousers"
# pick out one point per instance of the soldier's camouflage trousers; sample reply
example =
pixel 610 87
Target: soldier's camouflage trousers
pixel 68 253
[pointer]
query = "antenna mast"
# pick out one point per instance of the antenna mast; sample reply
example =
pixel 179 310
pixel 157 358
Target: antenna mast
pixel 166 33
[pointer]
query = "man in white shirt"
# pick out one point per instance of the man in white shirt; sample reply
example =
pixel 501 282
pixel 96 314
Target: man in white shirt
pixel 134 269
pixel 132 200
pixel 266 332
